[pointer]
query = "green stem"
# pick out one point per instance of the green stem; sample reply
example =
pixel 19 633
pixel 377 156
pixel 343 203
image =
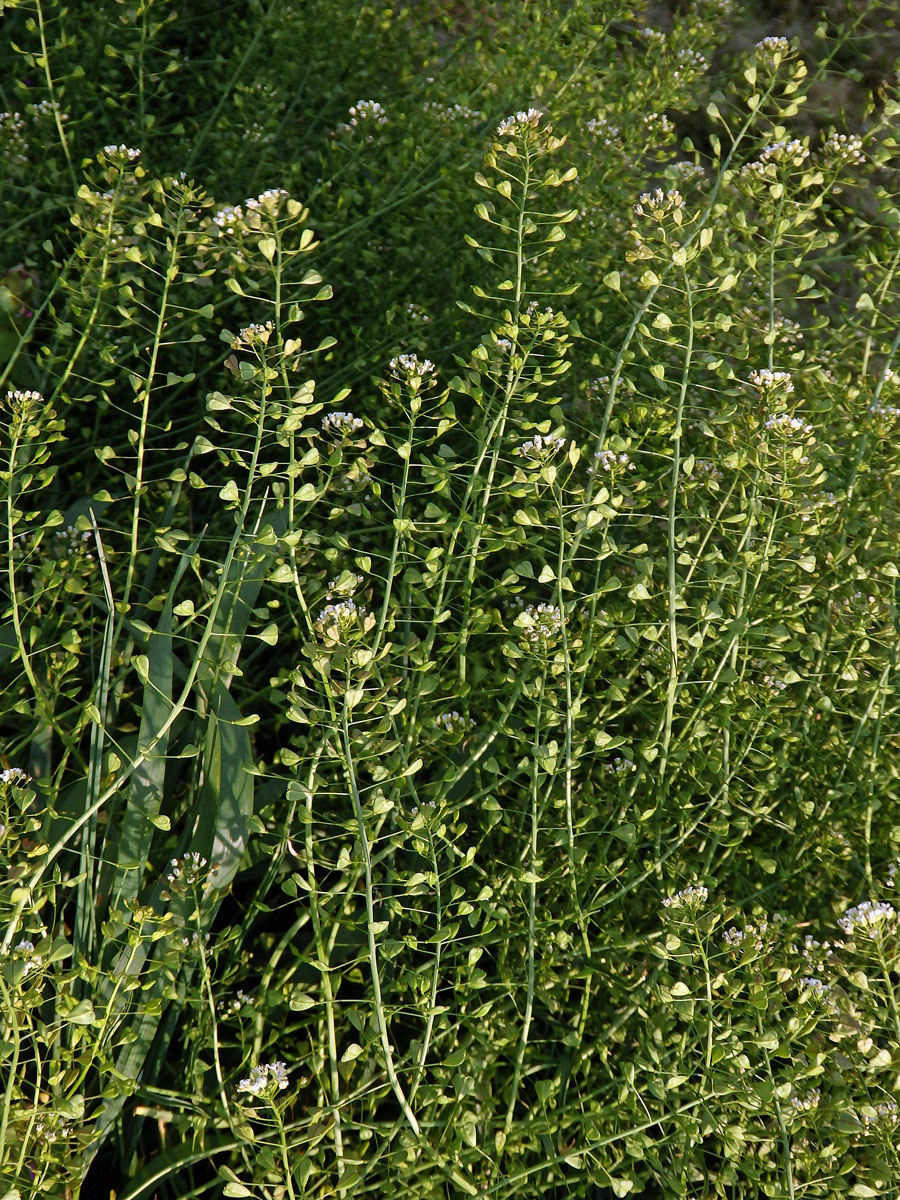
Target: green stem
pixel 380 1019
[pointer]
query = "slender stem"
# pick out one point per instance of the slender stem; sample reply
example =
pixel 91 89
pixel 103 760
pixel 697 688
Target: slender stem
pixel 532 906
pixel 380 1019
pixel 57 117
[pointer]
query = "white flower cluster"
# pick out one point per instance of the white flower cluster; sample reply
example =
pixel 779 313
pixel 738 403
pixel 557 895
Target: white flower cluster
pixel 612 463
pixel 270 198
pixel 187 871
pixel 766 380
pixel 50 1127
pixel 238 1002
pixel 519 123
pixel 884 1116
pixel 808 1102
pixel 531 309
pixel 337 619
pixel 253 334
pixel 620 766
pixel 772 49
pixel 815 952
pixel 814 988
pixel 604 131
pixel 453 722
pixel 705 468
pixel 688 172
pixel 653 37
pixel 364 112
pixel 25 949
pixel 412 366
pixel 257 134
pixel 417 313
pixel 541 449
pixel 691 897
pixel 544 622
pixel 122 153
pixel 49 108
pixel 657 125
pixel 14 777
pixel 784 425
pixel 774 683
pixel 847 147
pixel 13 139
pixel 267 1077
pixel 23 399
pixel 228 218
pixel 737 939
pixel 869 918
pixel 792 151
pixel 342 424
pixel 195 942
pixel 692 62
pixel 451 112
pixel 658 204
pixel 347 587
pixel 888 413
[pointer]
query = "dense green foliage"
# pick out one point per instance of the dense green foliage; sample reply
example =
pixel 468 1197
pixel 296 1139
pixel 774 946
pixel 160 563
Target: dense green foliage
pixel 449 625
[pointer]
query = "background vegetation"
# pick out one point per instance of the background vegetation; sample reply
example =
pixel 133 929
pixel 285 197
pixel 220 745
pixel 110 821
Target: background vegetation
pixel 449 637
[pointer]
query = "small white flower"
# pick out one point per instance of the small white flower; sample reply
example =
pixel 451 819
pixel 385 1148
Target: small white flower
pixel 453 722
pixel 688 172
pixel 870 918
pixel 254 334
pixel 814 988
pixel 693 61
pixel 846 147
pixel 364 112
pixel 15 777
pixel 519 123
pixel 773 49
pixel 266 1078
pixel 792 151
pixel 451 112
pixel 122 153
pixel 411 366
pixel 692 897
pixel 24 399
pixel 658 204
pixel 604 131
pixel 784 425
pixel 341 424
pixel 736 939
pixel 227 219
pixel 884 1116
pixel 188 870
pixel 269 199
pixel 611 463
pixel 766 380
pixel 888 413
pixel 540 624
pixel 658 125
pixel 541 449
pixel 620 766
pixel 335 620
pixel 653 37
pixel 808 1102
pixel 33 962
